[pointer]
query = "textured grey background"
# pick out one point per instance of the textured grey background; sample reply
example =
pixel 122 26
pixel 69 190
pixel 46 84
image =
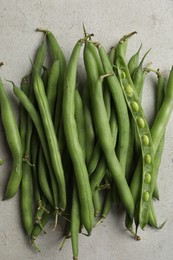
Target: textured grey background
pixel 109 20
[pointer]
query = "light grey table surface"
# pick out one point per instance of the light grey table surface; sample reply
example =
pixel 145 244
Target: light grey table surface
pixel 108 20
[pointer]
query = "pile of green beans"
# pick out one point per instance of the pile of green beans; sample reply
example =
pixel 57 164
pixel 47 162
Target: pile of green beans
pixel 80 148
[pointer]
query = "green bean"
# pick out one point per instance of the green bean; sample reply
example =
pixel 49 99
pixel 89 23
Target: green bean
pixel 72 140
pixel 122 45
pixel 45 75
pixel 37 228
pixel 51 89
pixel 157 132
pixel 26 188
pixel 57 54
pixel 39 58
pixel 37 122
pixel 79 116
pixel 100 170
pixel 144 137
pixel 89 130
pixel 121 108
pixel 34 155
pixel 108 201
pixel 26 198
pixel 61 137
pixel 50 194
pixel 103 129
pixel 133 62
pixel 75 222
pixel 26 182
pixel 23 114
pixel 97 202
pixel 153 219
pixel 138 76
pixel 97 149
pixel 51 138
pixel 163 115
pixel 112 55
pixel 159 151
pixel 98 174
pixel 14 142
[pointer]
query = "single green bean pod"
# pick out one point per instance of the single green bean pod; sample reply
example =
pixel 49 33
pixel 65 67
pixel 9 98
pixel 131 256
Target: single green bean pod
pixel 72 140
pixel 144 135
pixel 14 142
pixel 133 62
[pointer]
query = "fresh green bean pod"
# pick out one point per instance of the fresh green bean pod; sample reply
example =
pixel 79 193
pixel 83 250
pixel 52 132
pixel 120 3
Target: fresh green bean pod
pixel 103 129
pixel 51 89
pixel 159 151
pixel 88 121
pixel 50 192
pixel 144 135
pixel 75 222
pixel 45 75
pixel 138 76
pixel 100 170
pixel 23 114
pixel 121 108
pixel 75 150
pixel 157 132
pixel 39 58
pixel 79 116
pixel 97 202
pixel 51 92
pixel 152 216
pixel 37 122
pixel 98 174
pixel 61 137
pixel 108 201
pixel 121 47
pixel 134 61
pixel 51 138
pixel 34 162
pixel 57 54
pixel 26 183
pixel 27 198
pixel 96 154
pixel 14 142
pixel 112 55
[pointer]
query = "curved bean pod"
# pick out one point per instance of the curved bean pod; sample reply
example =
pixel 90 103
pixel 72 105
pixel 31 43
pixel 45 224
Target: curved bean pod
pixel 121 108
pixel 76 153
pixel 14 142
pixel 103 129
pixel 51 138
pixel 144 135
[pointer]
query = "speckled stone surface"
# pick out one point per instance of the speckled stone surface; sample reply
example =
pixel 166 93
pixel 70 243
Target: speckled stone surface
pixel 108 20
